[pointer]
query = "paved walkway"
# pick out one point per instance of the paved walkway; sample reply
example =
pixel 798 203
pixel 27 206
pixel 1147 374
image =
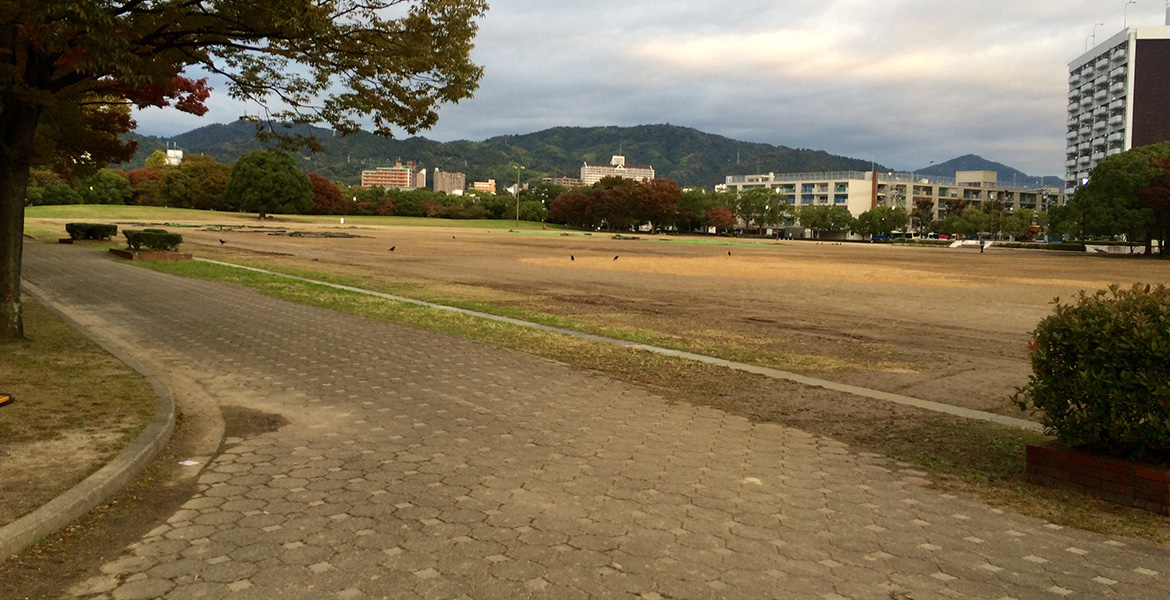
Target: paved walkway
pixel 420 465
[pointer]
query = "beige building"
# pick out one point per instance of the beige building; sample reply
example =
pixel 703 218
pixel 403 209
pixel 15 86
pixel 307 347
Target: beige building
pixel 397 176
pixel 591 173
pixel 449 182
pixel 860 191
pixel 488 186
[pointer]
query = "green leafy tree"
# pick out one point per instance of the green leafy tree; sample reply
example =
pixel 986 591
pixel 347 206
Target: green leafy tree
pixel 761 207
pixel 822 218
pixel 106 187
pixel 70 70
pixel 156 160
pixel 1018 225
pixel 197 182
pixel 1110 204
pixel 923 215
pixel 880 221
pixel 267 181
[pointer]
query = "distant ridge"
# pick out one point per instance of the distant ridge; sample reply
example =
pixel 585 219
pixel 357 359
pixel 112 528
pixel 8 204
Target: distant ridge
pixel 686 155
pixel 1006 174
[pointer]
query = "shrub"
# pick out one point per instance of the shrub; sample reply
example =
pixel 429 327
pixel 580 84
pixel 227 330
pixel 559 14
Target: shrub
pixel 152 239
pixel 91 231
pixel 1101 372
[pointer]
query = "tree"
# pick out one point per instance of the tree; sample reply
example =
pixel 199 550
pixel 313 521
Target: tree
pixel 761 207
pixel 822 218
pixel 197 182
pixel 1110 204
pixel 1155 196
pixel 721 219
pixel 156 160
pixel 267 181
pixel 923 214
pixel 327 198
pixel 106 187
pixel 880 221
pixel 656 202
pixel 70 70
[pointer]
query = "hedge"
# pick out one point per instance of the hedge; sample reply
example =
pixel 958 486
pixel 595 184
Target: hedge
pixel 91 231
pixel 1101 372
pixel 152 239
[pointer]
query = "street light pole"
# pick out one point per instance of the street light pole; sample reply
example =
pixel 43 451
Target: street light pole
pixel 518 169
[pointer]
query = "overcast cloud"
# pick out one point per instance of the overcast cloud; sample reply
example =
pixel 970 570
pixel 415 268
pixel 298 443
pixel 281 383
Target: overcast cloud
pixel 902 82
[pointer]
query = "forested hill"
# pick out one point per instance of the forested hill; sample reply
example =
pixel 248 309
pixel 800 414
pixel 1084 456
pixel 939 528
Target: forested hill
pixel 1007 175
pixel 689 156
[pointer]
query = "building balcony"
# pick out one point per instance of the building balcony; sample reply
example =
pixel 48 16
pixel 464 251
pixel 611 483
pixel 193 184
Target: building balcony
pixel 1097 156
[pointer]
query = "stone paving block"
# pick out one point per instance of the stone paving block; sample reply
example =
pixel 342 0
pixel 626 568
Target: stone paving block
pixel 417 464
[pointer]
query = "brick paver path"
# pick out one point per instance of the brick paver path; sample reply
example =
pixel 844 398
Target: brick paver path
pixel 421 465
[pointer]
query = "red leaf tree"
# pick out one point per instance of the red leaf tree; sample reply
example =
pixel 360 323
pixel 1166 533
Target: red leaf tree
pixel 71 69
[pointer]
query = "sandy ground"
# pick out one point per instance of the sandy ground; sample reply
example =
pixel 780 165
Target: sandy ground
pixel 949 325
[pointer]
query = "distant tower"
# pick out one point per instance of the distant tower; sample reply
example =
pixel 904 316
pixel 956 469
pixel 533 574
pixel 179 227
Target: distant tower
pixel 1117 99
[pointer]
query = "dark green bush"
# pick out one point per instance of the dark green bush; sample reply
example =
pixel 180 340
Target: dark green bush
pixel 152 239
pixel 91 231
pixel 1101 372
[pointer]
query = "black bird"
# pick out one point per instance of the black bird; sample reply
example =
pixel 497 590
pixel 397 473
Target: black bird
pixel 729 252
pixel 615 258
pixel 571 257
pixel 222 242
pixel 452 237
pixel 392 248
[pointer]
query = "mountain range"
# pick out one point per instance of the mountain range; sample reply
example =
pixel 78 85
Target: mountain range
pixel 689 156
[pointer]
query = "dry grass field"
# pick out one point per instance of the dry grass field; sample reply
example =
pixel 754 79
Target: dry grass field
pixel 949 325
pixel 942 324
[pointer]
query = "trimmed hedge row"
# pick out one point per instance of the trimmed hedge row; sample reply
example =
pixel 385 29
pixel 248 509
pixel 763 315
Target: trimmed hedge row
pixel 152 239
pixel 1101 372
pixel 91 231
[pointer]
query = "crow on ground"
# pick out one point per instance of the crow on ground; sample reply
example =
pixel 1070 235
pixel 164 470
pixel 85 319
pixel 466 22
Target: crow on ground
pixel 222 242
pixel 571 257
pixel 392 248
pixel 615 258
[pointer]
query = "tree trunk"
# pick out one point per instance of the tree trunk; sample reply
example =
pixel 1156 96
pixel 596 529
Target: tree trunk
pixel 18 124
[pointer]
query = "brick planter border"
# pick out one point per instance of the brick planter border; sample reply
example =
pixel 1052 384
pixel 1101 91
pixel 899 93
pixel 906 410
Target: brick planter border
pixel 148 255
pixel 1117 480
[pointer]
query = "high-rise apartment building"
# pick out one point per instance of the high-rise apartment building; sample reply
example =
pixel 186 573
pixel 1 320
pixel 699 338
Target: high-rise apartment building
pixel 1118 97
pixel 449 182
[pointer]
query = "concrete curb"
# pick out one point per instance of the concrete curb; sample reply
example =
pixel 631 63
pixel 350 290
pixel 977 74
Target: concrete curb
pixel 111 478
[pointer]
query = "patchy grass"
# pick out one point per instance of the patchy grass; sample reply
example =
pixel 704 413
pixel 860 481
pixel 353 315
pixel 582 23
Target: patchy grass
pixel 76 407
pixel 107 212
pixel 962 456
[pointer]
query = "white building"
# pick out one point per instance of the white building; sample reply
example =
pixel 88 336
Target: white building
pixel 860 191
pixel 591 173
pixel 1118 97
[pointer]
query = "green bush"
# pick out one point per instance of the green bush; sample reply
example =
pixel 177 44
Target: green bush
pixel 152 239
pixel 91 231
pixel 1101 372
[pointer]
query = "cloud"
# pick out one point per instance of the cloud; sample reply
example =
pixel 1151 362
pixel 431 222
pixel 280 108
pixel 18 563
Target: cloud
pixel 902 82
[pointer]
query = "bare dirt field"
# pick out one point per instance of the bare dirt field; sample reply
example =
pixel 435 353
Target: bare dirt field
pixel 949 325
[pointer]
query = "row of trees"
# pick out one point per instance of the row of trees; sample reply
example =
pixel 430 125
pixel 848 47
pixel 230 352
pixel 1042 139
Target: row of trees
pixel 200 182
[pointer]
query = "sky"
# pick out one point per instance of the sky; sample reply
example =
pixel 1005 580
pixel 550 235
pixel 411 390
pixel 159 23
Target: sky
pixel 901 82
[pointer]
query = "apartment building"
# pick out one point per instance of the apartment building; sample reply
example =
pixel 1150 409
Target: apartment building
pixel 488 186
pixel 449 182
pixel 565 182
pixel 1118 96
pixel 860 191
pixel 398 176
pixel 591 173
